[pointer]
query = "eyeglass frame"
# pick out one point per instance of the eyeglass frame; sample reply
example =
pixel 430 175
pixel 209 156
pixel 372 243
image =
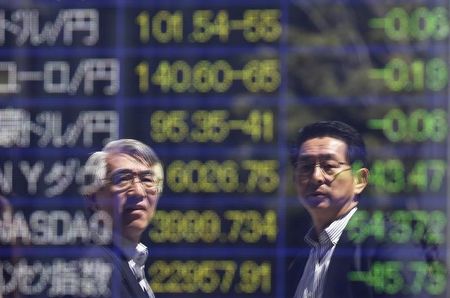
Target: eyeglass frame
pixel 328 177
pixel 130 182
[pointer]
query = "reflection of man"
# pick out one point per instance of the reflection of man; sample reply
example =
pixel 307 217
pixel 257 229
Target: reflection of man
pixel 127 183
pixel 330 173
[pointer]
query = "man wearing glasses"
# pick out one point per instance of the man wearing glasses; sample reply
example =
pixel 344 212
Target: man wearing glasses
pixel 127 183
pixel 329 159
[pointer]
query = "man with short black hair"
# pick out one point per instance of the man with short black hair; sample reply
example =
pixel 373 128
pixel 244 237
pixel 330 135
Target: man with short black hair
pixel 329 162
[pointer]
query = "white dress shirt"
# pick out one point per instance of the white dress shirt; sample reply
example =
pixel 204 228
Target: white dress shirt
pixel 322 247
pixel 136 261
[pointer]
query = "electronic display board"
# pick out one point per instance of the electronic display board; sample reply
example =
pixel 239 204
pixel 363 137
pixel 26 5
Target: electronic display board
pixel 219 90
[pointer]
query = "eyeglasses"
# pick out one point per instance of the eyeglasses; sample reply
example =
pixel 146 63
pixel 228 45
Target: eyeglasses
pixel 330 169
pixel 123 179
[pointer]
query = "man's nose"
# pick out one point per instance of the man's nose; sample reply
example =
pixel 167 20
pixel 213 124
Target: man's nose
pixel 317 174
pixel 137 188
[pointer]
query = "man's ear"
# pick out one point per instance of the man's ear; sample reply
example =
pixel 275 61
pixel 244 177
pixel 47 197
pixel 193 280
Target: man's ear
pixel 361 180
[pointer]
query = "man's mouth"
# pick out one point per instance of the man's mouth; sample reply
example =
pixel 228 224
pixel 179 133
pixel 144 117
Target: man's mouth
pixel 317 194
pixel 135 208
pixel 316 198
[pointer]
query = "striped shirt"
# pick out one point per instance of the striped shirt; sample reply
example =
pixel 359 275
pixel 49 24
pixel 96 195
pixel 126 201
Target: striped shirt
pixel 313 279
pixel 136 264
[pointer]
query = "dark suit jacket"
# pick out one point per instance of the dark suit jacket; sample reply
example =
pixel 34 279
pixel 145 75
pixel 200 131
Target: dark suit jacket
pixel 123 283
pixel 123 280
pixel 351 257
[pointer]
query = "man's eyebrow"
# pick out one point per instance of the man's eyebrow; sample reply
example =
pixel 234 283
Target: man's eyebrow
pixel 121 170
pixel 319 156
pixel 147 172
pixel 125 170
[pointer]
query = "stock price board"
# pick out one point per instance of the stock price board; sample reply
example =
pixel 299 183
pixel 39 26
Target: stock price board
pixel 219 89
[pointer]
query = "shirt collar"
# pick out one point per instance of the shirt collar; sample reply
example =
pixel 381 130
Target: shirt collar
pixel 138 253
pixel 137 262
pixel 331 234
